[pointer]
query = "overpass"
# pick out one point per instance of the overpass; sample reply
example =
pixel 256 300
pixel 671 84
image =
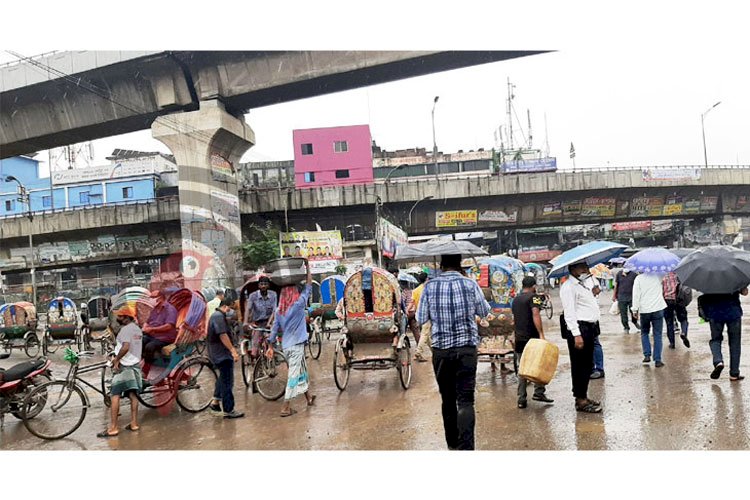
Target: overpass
pixel 499 202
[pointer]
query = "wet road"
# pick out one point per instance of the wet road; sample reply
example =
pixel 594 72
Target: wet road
pixel 677 407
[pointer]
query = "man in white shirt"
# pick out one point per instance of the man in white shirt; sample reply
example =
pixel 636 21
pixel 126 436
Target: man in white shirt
pixel 649 305
pixel 579 325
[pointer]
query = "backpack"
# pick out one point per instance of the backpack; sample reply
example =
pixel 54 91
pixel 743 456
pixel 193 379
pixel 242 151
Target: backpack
pixel 684 295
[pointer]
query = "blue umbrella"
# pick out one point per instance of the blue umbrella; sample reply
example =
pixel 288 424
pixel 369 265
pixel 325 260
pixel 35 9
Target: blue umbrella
pixel 653 260
pixel 617 260
pixel 592 253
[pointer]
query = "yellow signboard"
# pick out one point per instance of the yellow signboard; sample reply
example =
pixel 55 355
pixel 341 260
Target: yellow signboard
pixel 456 218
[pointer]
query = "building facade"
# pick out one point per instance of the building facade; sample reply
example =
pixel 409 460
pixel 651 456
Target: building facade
pixel 332 156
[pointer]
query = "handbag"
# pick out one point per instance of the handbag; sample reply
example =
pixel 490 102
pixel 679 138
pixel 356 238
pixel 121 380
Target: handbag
pixel 564 331
pixel 614 309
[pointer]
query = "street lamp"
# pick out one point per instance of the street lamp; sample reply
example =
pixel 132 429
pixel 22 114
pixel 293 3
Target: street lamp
pixel 703 131
pixel 25 197
pixel 415 206
pixel 393 170
pixel 434 143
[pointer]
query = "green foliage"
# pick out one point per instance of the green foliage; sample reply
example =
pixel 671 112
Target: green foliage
pixel 261 245
pixel 340 269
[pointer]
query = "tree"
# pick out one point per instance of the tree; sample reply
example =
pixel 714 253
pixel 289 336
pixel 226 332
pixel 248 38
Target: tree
pixel 261 245
pixel 340 269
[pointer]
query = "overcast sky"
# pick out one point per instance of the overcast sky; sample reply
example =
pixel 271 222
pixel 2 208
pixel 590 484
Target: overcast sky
pixel 627 88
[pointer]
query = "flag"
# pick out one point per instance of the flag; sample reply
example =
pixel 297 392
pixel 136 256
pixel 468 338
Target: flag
pixel 572 151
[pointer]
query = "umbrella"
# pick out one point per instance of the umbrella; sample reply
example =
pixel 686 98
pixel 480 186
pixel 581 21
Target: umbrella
pixel 426 251
pixel 403 276
pixel 617 260
pixel 652 260
pixel 592 253
pixel 715 269
pixel 682 252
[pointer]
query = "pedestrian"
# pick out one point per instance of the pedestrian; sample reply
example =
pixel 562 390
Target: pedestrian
pixel 452 302
pixel 579 325
pixel 290 320
pixel 160 329
pixel 623 294
pixel 648 308
pixel 677 298
pixel 724 310
pixel 258 312
pixel 223 355
pixel 528 325
pixel 213 304
pixel 598 371
pixel 127 379
pixel 425 337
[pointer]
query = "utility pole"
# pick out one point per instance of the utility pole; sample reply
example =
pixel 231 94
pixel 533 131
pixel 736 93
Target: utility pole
pixel 434 143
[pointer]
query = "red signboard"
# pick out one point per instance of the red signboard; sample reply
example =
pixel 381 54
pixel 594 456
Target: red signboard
pixel 644 225
pixel 538 255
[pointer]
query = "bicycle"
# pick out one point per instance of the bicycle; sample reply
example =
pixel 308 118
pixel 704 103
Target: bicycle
pixel 267 376
pixel 547 306
pixel 315 337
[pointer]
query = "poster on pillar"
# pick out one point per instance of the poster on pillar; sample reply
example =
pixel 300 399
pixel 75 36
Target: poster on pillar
pixel 221 169
pixel 225 209
pixel 392 237
pixel 323 249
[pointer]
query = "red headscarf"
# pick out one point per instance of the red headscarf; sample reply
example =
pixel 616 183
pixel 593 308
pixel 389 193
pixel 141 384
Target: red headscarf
pixel 289 295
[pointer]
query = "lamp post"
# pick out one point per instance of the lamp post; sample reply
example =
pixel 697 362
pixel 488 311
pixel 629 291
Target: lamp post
pixel 393 170
pixel 434 142
pixel 25 197
pixel 415 206
pixel 703 131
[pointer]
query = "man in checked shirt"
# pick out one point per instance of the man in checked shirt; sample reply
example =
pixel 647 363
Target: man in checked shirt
pixel 452 302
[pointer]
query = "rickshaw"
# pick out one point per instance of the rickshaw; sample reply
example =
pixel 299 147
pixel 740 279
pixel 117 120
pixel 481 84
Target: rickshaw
pixel 18 328
pixel 62 325
pixel 372 314
pixel 180 373
pixel 96 323
pixel 324 316
pixel 542 286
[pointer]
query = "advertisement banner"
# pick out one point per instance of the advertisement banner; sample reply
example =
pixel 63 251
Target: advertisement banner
pixel 647 206
pixel 323 249
pixel 391 237
pixel 708 203
pixel 538 255
pixel 598 207
pixel 123 169
pixel 525 166
pixel 673 206
pixel 456 218
pixel 572 208
pixel 632 226
pixel 741 203
pixel 671 174
pixel 552 209
pixel 659 226
pixel 692 206
pixel 497 216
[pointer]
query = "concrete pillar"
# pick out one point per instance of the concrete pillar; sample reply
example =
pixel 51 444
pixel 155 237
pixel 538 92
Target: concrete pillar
pixel 207 145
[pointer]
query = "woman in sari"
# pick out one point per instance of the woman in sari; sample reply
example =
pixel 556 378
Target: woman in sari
pixel 290 321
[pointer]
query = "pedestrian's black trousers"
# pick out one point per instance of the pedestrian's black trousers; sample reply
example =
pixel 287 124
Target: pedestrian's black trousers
pixel 456 374
pixel 582 360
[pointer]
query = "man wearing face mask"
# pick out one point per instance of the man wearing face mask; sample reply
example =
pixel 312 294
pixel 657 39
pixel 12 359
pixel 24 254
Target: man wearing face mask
pixel 580 326
pixel 223 355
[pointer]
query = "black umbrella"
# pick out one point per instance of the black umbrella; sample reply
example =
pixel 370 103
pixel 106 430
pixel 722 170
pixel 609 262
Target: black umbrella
pixel 681 252
pixel 715 269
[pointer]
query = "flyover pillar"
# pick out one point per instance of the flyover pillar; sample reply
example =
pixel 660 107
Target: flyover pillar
pixel 207 145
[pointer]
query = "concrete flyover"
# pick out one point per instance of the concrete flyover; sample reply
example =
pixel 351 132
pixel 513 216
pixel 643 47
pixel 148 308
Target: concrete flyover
pixel 71 97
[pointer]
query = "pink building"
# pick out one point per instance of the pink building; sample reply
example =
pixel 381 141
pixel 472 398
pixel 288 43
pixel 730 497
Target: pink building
pixel 332 156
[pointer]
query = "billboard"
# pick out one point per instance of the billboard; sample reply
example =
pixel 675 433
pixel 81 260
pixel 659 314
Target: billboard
pixel 498 216
pixel 673 206
pixel 105 172
pixel 652 206
pixel 598 207
pixel 671 174
pixel 456 218
pixel 543 255
pixel 323 249
pixel 572 208
pixel 632 226
pixel 391 237
pixel 552 209
pixel 526 166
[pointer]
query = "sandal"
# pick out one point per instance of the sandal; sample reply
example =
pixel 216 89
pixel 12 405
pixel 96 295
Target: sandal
pixel 589 408
pixel 312 400
pixel 717 371
pixel 131 429
pixel 288 413
pixel 737 378
pixel 105 434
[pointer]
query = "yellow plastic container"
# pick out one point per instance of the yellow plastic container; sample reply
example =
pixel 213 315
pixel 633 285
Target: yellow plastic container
pixel 539 361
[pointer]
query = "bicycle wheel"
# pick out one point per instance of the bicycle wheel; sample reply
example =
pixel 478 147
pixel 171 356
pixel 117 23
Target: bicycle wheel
pixel 341 367
pixel 64 409
pixel 86 334
pixel 31 346
pixel 404 365
pixel 550 311
pixel 270 376
pixel 315 344
pixel 51 347
pixel 246 365
pixel 195 385
pixel 40 398
pixel 200 347
pixel 156 396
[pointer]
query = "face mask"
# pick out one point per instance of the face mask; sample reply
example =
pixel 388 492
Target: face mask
pixel 584 277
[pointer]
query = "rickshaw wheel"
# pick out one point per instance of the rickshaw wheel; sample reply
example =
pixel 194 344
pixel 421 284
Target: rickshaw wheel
pixel 404 364
pixel 341 367
pixel 314 343
pixel 31 346
pixel 270 376
pixel 6 346
pixel 156 396
pixel 195 385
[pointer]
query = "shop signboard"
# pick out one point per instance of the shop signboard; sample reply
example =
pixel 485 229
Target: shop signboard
pixel 598 207
pixel 456 218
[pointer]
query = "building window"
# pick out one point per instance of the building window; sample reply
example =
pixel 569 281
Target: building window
pixel 46 201
pixel 127 192
pixel 9 205
pixel 83 197
pixel 340 147
pixel 342 174
pixel 309 176
pixel 307 149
